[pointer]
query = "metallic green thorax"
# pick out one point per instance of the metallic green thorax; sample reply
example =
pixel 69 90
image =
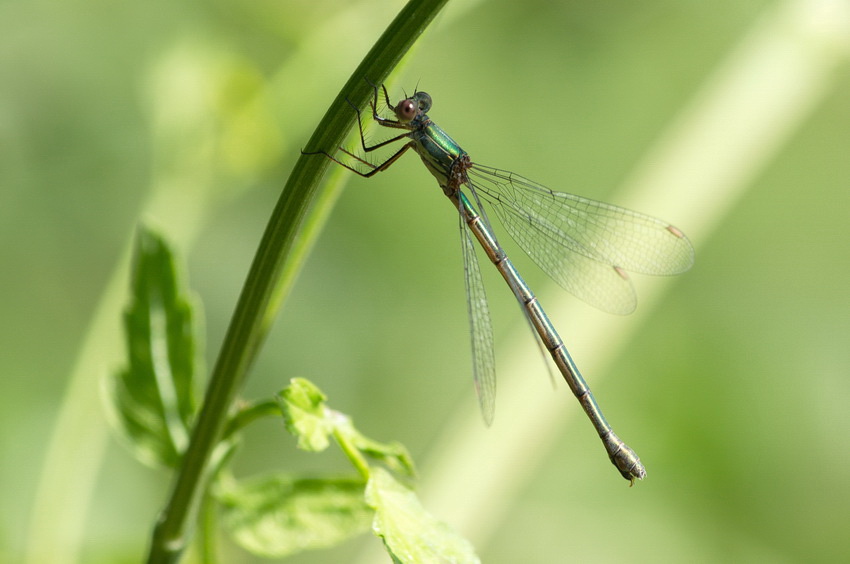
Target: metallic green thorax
pixel 440 153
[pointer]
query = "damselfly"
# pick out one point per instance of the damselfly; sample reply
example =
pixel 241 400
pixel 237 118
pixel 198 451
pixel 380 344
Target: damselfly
pixel 586 246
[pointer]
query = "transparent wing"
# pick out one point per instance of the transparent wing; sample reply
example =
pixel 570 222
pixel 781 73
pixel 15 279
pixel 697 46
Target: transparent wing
pixel 481 329
pixel 584 245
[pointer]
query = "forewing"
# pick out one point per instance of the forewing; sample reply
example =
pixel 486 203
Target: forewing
pixel 585 245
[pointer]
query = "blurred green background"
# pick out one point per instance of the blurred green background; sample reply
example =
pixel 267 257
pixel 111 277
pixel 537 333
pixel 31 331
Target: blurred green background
pixel 734 389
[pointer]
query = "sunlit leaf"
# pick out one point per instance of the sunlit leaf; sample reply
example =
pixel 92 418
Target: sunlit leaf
pixel 277 516
pixel 312 421
pixel 306 415
pixel 409 532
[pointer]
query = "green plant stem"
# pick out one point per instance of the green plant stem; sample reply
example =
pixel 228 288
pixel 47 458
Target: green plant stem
pixel 207 547
pixel 262 293
pixel 249 413
pixel 353 454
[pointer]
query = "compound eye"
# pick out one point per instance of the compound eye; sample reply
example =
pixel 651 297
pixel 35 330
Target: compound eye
pixel 424 102
pixel 406 110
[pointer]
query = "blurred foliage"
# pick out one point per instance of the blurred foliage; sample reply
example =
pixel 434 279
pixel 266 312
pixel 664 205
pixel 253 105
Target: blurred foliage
pixel 734 392
pixel 154 397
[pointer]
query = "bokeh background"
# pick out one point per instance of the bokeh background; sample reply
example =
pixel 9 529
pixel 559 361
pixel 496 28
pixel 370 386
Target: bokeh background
pixel 733 384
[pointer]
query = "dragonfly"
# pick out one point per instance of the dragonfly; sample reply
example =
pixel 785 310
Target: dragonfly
pixel 587 247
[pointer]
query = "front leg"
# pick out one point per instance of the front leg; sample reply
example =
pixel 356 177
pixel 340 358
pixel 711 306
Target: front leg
pixel 385 122
pixel 374 103
pixel 375 168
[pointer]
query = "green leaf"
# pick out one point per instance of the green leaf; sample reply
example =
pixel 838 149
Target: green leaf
pixel 277 516
pixel 393 454
pixel 305 414
pixel 308 417
pixel 410 533
pixel 154 396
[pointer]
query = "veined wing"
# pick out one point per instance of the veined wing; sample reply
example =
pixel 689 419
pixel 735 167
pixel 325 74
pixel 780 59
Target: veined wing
pixel 585 245
pixel 481 328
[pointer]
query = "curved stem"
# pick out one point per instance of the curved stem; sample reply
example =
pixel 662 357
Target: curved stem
pixel 266 283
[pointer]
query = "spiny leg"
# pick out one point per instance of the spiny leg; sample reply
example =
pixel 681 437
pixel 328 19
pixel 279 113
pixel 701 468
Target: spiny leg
pixel 385 122
pixel 375 168
pixel 374 102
